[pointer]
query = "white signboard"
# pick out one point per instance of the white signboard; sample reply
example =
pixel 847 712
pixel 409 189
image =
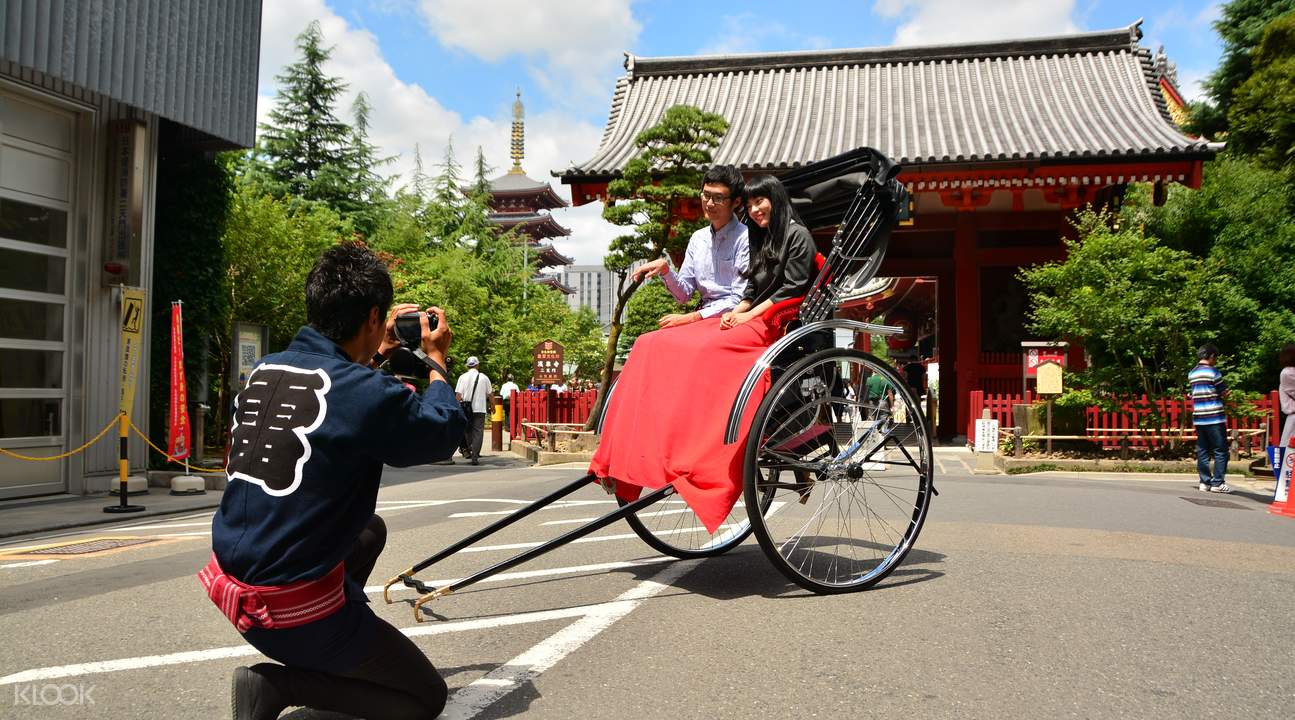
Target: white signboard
pixel 986 436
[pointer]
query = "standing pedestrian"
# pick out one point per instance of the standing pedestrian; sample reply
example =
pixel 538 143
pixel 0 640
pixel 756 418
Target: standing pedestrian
pixel 1286 392
pixel 1210 418
pixel 473 391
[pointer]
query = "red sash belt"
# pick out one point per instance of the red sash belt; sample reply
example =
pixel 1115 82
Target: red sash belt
pixel 273 607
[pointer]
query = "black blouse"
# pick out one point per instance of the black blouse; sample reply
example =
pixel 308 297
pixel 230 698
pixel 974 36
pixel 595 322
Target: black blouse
pixel 793 273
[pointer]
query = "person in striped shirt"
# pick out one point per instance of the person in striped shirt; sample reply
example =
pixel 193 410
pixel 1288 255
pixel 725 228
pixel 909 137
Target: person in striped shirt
pixel 1208 415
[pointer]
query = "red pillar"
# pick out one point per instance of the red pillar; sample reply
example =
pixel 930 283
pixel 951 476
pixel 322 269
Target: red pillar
pixel 966 275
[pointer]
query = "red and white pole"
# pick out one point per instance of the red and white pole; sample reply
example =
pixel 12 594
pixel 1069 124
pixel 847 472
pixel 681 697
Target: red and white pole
pixel 1282 504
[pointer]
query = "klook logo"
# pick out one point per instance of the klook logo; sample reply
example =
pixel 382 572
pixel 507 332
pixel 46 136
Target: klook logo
pixel 53 694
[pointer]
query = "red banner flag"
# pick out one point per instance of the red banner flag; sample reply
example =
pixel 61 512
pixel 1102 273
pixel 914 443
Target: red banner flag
pixel 178 445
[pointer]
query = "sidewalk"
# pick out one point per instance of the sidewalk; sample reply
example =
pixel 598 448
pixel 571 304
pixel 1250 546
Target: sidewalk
pixel 60 512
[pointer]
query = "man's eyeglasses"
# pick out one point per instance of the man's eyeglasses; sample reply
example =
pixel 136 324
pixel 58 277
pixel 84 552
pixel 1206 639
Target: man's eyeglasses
pixel 711 198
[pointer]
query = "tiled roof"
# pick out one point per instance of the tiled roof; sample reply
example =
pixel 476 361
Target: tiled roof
pixel 1085 96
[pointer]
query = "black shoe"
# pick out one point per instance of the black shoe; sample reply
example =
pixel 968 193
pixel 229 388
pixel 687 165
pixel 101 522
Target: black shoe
pixel 252 697
pixel 474 462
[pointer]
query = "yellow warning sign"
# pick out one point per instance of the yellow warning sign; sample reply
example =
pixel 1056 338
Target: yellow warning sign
pixel 132 339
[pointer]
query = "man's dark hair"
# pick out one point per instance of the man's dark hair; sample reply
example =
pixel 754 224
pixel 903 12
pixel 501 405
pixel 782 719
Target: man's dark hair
pixel 346 283
pixel 728 176
pixel 1207 352
pixel 1287 357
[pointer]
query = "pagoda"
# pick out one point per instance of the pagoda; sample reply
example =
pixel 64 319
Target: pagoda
pixel 522 203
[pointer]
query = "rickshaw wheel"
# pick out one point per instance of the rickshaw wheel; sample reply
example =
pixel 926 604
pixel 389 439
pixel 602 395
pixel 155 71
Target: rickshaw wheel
pixel 671 528
pixel 851 468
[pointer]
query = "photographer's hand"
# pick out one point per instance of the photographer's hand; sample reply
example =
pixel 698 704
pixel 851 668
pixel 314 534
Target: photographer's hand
pixel 436 343
pixel 389 340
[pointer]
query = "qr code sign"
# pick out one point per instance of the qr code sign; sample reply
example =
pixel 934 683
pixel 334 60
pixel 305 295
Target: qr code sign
pixel 247 355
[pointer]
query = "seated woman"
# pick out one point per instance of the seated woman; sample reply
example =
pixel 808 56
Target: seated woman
pixel 666 419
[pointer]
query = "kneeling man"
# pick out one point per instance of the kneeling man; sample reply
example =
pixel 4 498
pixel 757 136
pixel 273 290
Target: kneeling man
pixel 296 535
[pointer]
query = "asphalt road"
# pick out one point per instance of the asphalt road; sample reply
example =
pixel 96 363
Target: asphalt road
pixel 1027 596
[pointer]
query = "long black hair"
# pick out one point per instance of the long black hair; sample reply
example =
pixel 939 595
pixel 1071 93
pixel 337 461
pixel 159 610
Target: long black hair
pixel 767 243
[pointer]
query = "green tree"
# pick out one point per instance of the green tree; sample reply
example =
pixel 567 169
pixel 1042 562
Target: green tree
pixel 673 155
pixel 1242 221
pixel 1262 114
pixel 1139 308
pixel 1241 27
pixel 306 153
pixel 304 138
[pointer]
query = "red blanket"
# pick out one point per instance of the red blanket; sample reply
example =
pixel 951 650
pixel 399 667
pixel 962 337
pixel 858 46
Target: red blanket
pixel 667 417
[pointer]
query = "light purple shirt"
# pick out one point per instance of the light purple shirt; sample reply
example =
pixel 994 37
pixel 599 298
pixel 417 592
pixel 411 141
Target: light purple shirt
pixel 713 265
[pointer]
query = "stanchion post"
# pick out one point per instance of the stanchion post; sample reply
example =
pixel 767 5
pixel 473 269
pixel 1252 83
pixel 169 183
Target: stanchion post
pixel 123 467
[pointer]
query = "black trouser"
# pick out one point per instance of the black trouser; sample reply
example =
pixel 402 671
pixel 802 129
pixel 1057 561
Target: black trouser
pixel 472 438
pixel 393 680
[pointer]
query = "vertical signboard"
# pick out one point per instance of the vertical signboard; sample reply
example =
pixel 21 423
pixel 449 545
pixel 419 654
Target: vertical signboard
pixel 548 362
pixel 121 247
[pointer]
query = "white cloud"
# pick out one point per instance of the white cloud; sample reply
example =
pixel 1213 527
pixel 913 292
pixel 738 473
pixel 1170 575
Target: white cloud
pixel 574 47
pixel 929 22
pixel 404 115
pixel 748 32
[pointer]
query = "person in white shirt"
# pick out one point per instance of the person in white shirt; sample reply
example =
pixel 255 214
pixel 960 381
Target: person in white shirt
pixel 506 392
pixel 1286 392
pixel 473 391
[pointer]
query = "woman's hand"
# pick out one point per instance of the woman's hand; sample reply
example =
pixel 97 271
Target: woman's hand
pixel 732 319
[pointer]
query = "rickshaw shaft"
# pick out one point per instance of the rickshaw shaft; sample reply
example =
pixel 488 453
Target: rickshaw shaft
pixel 534 552
pixel 497 526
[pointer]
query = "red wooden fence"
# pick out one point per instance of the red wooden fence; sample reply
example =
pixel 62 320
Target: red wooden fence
pixel 1176 414
pixel 533 406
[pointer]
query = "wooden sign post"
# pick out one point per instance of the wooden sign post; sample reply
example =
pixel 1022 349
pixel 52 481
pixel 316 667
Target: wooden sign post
pixel 1049 384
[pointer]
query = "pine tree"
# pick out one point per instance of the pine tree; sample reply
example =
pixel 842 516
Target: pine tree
pixel 363 195
pixel 304 142
pixel 481 175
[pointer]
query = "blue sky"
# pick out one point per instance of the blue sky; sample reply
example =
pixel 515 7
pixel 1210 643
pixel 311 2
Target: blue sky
pixel 438 71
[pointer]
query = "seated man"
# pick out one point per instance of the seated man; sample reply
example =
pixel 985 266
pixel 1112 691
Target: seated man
pixel 296 536
pixel 717 254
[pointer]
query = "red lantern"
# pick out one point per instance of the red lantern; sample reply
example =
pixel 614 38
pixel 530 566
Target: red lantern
pixel 907 337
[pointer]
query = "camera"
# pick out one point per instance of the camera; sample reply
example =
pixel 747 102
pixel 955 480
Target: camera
pixel 410 330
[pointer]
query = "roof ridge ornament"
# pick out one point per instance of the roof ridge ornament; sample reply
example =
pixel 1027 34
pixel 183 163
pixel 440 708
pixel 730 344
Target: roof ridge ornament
pixel 629 65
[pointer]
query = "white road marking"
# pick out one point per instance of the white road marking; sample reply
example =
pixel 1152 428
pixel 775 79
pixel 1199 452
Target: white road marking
pixel 526 574
pixel 32 563
pixel 470 700
pixel 191 656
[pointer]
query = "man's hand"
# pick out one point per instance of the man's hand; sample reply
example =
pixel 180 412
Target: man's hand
pixel 436 343
pixel 676 319
pixel 390 341
pixel 652 269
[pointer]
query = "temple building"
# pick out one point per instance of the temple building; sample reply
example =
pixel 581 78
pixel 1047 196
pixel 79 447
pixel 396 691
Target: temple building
pixel 521 203
pixel 1000 142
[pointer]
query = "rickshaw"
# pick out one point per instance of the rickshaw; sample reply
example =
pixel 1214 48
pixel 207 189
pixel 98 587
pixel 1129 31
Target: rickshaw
pixel 838 471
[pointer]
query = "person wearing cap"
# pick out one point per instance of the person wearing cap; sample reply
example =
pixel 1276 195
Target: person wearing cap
pixel 473 391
